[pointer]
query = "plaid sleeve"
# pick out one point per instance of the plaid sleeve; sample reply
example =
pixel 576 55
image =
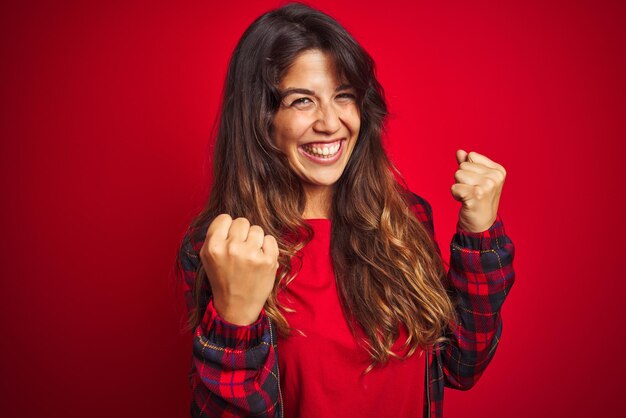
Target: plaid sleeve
pixel 481 275
pixel 481 272
pixel 234 369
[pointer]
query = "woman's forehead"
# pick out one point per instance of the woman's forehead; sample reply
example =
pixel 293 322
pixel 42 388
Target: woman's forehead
pixel 312 68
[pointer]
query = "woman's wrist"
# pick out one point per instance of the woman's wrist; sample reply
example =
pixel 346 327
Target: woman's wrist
pixel 236 314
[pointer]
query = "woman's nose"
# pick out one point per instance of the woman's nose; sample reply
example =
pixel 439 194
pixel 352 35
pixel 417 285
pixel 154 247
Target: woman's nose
pixel 328 120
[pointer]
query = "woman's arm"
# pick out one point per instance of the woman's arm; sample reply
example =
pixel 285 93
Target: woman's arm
pixel 481 274
pixel 234 369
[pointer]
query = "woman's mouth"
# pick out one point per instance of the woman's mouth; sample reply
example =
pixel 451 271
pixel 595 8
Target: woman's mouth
pixel 323 153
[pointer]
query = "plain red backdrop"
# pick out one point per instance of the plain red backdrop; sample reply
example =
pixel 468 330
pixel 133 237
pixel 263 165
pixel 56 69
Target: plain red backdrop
pixel 107 109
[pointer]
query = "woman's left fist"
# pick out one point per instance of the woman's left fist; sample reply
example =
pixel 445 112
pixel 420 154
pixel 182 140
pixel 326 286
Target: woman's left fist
pixel 478 187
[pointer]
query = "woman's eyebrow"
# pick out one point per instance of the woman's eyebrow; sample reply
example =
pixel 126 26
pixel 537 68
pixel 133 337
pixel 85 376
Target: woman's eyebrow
pixel 344 86
pixel 297 90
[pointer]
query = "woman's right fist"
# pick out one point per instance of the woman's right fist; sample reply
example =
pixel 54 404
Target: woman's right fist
pixel 240 262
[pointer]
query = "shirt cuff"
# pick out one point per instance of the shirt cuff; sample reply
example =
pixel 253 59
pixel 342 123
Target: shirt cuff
pixel 224 334
pixel 491 239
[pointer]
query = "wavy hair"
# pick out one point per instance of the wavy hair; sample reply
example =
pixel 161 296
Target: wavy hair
pixel 388 270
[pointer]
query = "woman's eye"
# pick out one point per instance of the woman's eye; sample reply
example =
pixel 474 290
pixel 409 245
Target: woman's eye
pixel 303 101
pixel 346 96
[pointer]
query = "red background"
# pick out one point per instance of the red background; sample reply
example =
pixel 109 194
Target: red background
pixel 106 114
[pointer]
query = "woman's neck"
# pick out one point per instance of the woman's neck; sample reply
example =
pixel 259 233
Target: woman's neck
pixel 318 202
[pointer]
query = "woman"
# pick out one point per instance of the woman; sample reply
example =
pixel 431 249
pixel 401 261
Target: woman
pixel 312 278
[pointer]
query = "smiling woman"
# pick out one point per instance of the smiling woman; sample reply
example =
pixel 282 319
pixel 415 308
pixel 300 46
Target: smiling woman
pixel 312 277
pixel 316 126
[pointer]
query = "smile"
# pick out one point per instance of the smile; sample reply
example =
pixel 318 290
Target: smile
pixel 322 152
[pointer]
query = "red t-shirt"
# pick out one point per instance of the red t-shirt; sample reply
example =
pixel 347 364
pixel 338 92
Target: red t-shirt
pixel 321 364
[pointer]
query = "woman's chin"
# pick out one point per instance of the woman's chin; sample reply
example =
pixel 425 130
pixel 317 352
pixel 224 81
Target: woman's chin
pixel 323 181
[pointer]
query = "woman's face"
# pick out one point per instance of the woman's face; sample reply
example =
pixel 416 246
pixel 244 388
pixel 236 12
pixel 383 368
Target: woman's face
pixel 318 121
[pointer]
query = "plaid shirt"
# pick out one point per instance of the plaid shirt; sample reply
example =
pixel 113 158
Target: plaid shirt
pixel 235 372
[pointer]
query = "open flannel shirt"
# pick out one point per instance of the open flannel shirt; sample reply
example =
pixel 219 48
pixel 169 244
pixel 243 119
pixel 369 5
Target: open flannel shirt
pixel 234 370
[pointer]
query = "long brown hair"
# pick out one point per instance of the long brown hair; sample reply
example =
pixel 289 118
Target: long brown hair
pixel 388 270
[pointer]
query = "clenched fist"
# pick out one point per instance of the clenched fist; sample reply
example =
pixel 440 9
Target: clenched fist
pixel 479 182
pixel 241 263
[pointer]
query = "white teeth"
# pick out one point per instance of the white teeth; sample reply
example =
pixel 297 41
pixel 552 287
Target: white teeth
pixel 327 152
